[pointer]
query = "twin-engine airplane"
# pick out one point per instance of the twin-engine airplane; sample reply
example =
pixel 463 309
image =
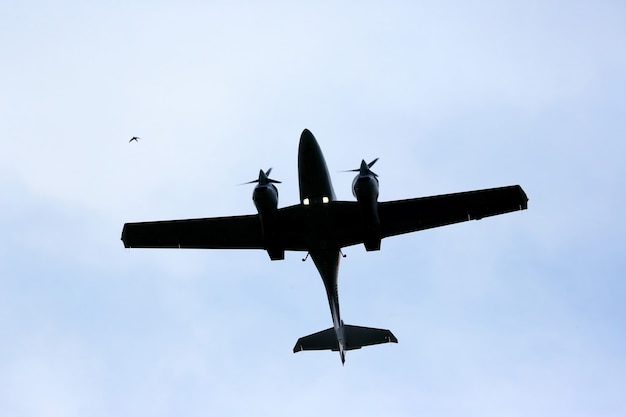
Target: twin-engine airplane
pixel 320 225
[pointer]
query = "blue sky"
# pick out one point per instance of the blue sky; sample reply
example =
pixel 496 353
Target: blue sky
pixel 515 315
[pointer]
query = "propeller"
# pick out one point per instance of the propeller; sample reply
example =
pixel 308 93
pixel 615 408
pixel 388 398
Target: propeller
pixel 264 178
pixel 364 169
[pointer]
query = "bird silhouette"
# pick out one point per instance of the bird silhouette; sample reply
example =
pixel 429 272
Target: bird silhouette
pixel 134 138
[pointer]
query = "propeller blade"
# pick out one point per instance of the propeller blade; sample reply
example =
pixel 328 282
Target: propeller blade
pixel 364 169
pixel 263 178
pixel 268 179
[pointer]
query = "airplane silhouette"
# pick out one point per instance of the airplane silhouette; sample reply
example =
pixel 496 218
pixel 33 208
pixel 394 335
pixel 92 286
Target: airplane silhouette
pixel 321 226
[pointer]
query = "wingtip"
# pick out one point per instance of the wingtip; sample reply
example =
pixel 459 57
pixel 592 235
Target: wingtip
pixel 523 198
pixel 298 346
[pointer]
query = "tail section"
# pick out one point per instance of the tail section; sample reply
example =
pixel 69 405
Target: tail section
pixel 354 337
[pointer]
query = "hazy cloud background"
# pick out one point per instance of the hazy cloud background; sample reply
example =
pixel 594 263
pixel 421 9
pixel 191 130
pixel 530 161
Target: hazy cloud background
pixel 516 315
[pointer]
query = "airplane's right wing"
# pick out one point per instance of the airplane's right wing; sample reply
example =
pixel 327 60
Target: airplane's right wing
pixel 405 216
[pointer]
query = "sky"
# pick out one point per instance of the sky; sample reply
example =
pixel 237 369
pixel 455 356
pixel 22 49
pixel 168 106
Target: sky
pixel 514 315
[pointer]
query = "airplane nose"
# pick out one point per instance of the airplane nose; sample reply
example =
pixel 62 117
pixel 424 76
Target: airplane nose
pixel 306 136
pixel 308 146
pixel 312 170
pixel 308 149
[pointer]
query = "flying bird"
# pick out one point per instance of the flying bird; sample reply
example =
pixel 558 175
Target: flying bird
pixel 134 138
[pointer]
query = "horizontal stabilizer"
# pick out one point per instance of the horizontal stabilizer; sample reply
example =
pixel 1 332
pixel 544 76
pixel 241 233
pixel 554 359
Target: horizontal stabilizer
pixel 355 338
pixel 324 340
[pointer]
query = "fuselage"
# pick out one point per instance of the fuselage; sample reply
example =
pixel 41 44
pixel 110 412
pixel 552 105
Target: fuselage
pixel 316 192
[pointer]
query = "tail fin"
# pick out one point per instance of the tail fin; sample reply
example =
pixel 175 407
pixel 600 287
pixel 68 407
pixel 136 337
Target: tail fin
pixel 355 338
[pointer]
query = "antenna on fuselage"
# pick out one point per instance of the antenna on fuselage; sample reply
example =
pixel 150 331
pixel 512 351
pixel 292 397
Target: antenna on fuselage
pixel 306 257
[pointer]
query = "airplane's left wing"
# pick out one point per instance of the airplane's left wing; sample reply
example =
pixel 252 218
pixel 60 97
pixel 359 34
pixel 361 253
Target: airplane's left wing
pixel 405 216
pixel 344 227
pixel 235 232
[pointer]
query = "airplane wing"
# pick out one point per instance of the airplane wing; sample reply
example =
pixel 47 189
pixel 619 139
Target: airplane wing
pixel 236 232
pixel 342 224
pixel 405 216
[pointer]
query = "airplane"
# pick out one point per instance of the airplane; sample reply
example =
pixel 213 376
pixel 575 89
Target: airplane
pixel 321 226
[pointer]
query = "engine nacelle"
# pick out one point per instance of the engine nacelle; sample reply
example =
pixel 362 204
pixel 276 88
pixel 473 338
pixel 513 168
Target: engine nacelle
pixel 365 189
pixel 265 197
